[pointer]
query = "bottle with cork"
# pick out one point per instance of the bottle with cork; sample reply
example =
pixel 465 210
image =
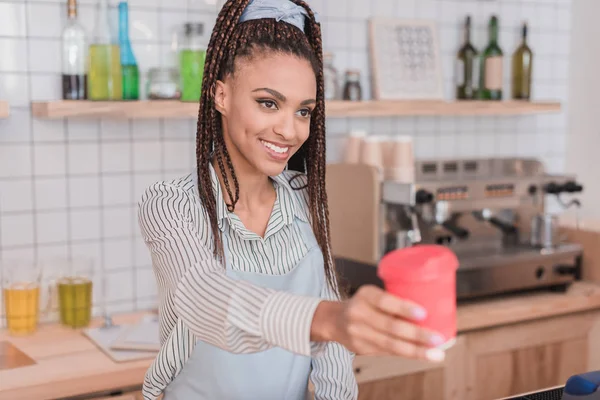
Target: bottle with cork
pixel 74 49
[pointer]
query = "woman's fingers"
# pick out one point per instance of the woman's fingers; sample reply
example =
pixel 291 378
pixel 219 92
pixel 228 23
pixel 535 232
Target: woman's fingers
pixel 377 322
pixel 404 330
pixel 383 316
pixel 380 343
pixel 366 348
pixel 391 304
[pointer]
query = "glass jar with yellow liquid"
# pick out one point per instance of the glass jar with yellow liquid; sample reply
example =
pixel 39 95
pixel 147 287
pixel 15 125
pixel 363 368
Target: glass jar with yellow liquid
pixel 74 288
pixel 21 295
pixel 105 81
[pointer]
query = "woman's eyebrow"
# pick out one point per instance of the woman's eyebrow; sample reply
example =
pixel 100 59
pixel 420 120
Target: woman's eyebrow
pixel 272 92
pixel 281 97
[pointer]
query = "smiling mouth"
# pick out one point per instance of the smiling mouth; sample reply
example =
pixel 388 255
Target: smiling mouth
pixel 276 149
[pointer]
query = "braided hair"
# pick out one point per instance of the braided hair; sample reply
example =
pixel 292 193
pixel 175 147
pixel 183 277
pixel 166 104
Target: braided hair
pixel 229 40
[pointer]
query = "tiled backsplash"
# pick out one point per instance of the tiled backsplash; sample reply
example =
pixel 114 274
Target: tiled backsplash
pixel 70 187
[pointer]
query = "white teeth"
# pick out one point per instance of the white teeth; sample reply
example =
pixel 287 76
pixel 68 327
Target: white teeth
pixel 276 149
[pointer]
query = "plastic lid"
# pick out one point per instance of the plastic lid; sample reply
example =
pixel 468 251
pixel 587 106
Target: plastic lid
pixel 417 263
pixel 358 133
pixel 375 139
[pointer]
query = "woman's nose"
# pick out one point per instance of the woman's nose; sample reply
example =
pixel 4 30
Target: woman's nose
pixel 285 127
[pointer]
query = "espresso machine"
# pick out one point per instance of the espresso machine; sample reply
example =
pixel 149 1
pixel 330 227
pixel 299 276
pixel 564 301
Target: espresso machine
pixel 491 212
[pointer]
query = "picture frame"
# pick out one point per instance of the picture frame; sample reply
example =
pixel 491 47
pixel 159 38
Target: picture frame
pixel 405 59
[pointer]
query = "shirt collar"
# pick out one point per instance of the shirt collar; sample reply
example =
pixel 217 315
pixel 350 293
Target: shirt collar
pixel 288 201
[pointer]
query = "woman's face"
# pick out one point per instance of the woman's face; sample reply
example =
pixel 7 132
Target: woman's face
pixel 266 108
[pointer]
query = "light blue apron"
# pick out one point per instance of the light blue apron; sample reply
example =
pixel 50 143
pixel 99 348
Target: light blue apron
pixel 277 374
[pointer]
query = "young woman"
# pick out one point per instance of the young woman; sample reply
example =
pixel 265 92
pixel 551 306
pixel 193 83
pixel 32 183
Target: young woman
pixel 249 300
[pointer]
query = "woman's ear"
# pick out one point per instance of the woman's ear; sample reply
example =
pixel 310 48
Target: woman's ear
pixel 220 96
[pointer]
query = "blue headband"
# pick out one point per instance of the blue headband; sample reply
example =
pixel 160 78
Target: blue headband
pixel 281 10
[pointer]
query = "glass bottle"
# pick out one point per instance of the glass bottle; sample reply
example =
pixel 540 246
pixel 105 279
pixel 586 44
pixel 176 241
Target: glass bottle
pixel 467 67
pixel 522 66
pixel 129 67
pixel 330 77
pixel 104 80
pixel 492 63
pixel 352 88
pixel 74 47
pixel 191 62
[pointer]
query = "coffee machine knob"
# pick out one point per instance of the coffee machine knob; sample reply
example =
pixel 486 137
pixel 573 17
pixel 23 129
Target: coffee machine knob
pixel 423 196
pixel 553 188
pixel 572 187
pixel 533 189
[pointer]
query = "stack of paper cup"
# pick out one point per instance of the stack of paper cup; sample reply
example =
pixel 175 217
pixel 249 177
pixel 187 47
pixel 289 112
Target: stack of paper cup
pixel 371 152
pixel 400 162
pixel 353 146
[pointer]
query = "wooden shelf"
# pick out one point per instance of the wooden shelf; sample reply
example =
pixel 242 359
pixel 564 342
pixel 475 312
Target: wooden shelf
pixel 4 109
pixel 437 108
pixel 114 109
pixel 177 109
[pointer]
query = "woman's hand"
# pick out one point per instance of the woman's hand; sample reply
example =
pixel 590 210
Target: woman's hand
pixel 374 322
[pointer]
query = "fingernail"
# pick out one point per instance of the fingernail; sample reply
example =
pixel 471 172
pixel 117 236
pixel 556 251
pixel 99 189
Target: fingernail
pixel 419 313
pixel 435 355
pixel 437 340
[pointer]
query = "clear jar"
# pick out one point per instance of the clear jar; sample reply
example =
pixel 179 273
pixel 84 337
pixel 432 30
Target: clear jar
pixel 163 84
pixel 352 88
pixel 191 61
pixel 330 77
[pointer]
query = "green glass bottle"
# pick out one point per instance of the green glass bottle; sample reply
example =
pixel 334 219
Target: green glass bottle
pixel 491 65
pixel 129 67
pixel 521 66
pixel 467 67
pixel 192 58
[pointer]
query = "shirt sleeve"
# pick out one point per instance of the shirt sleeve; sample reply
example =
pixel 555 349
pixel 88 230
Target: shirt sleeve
pixel 231 314
pixel 332 371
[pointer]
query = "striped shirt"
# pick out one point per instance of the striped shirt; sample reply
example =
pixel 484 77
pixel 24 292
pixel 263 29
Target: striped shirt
pixel 198 301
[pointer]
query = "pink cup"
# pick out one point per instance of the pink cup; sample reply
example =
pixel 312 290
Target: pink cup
pixel 426 275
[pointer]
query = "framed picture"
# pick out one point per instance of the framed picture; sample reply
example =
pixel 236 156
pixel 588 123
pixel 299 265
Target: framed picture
pixel 405 59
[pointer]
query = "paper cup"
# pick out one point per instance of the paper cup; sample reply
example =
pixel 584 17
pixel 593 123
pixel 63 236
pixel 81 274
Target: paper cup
pixel 402 155
pixel 371 151
pixel 426 275
pixel 401 175
pixel 353 147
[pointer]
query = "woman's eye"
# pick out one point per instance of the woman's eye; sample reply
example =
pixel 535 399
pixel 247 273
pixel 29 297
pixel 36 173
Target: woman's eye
pixel 268 104
pixel 305 113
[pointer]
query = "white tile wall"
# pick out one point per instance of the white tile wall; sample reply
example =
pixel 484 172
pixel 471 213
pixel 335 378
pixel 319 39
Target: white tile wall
pixel 70 186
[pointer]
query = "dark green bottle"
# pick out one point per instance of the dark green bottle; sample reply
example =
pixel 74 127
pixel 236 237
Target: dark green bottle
pixel 467 67
pixel 521 67
pixel 129 67
pixel 491 65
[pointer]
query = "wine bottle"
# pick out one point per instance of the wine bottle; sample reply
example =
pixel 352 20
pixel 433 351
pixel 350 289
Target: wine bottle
pixel 129 67
pixel 491 65
pixel 74 47
pixel 521 67
pixel 105 80
pixel 467 67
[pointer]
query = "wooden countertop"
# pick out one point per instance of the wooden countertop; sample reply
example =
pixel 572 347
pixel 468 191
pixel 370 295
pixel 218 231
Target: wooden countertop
pixel 581 296
pixel 69 364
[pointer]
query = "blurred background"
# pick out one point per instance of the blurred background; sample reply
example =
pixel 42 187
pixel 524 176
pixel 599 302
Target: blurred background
pixel 69 186
pixel 487 111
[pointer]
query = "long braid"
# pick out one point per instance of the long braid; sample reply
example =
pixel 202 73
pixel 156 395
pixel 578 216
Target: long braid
pixel 230 40
pixel 209 119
